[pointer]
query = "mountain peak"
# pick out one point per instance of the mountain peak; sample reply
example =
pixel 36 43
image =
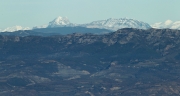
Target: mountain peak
pixel 168 22
pixel 59 18
pixel 59 21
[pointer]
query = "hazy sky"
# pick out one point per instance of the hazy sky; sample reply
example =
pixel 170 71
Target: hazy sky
pixel 29 13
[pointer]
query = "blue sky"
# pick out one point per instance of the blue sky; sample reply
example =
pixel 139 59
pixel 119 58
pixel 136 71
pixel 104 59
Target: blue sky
pixel 29 13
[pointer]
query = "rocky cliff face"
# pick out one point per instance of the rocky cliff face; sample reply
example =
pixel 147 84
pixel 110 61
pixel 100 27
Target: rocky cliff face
pixel 126 62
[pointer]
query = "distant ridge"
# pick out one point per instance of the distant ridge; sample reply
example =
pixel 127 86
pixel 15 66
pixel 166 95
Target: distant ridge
pixel 167 24
pixel 115 24
pixel 110 24
pixel 14 28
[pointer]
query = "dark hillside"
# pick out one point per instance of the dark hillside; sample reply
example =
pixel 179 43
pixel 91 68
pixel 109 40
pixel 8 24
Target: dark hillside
pixel 126 62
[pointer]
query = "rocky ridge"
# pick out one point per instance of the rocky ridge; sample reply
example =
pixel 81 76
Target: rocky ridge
pixel 126 62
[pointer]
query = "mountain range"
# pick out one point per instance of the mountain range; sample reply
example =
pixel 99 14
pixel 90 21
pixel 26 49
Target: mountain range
pixel 127 62
pixel 167 24
pixel 110 24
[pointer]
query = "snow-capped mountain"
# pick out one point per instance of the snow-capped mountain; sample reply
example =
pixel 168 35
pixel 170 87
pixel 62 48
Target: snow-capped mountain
pixel 115 24
pixel 167 24
pixel 60 22
pixel 15 28
pixel 111 24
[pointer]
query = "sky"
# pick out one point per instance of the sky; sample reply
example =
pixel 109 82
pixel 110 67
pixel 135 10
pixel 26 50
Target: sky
pixel 29 13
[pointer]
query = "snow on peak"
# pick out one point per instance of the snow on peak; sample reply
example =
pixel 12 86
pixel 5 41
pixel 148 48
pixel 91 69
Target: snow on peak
pixel 115 24
pixel 167 24
pixel 59 22
pixel 111 23
pixel 15 28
